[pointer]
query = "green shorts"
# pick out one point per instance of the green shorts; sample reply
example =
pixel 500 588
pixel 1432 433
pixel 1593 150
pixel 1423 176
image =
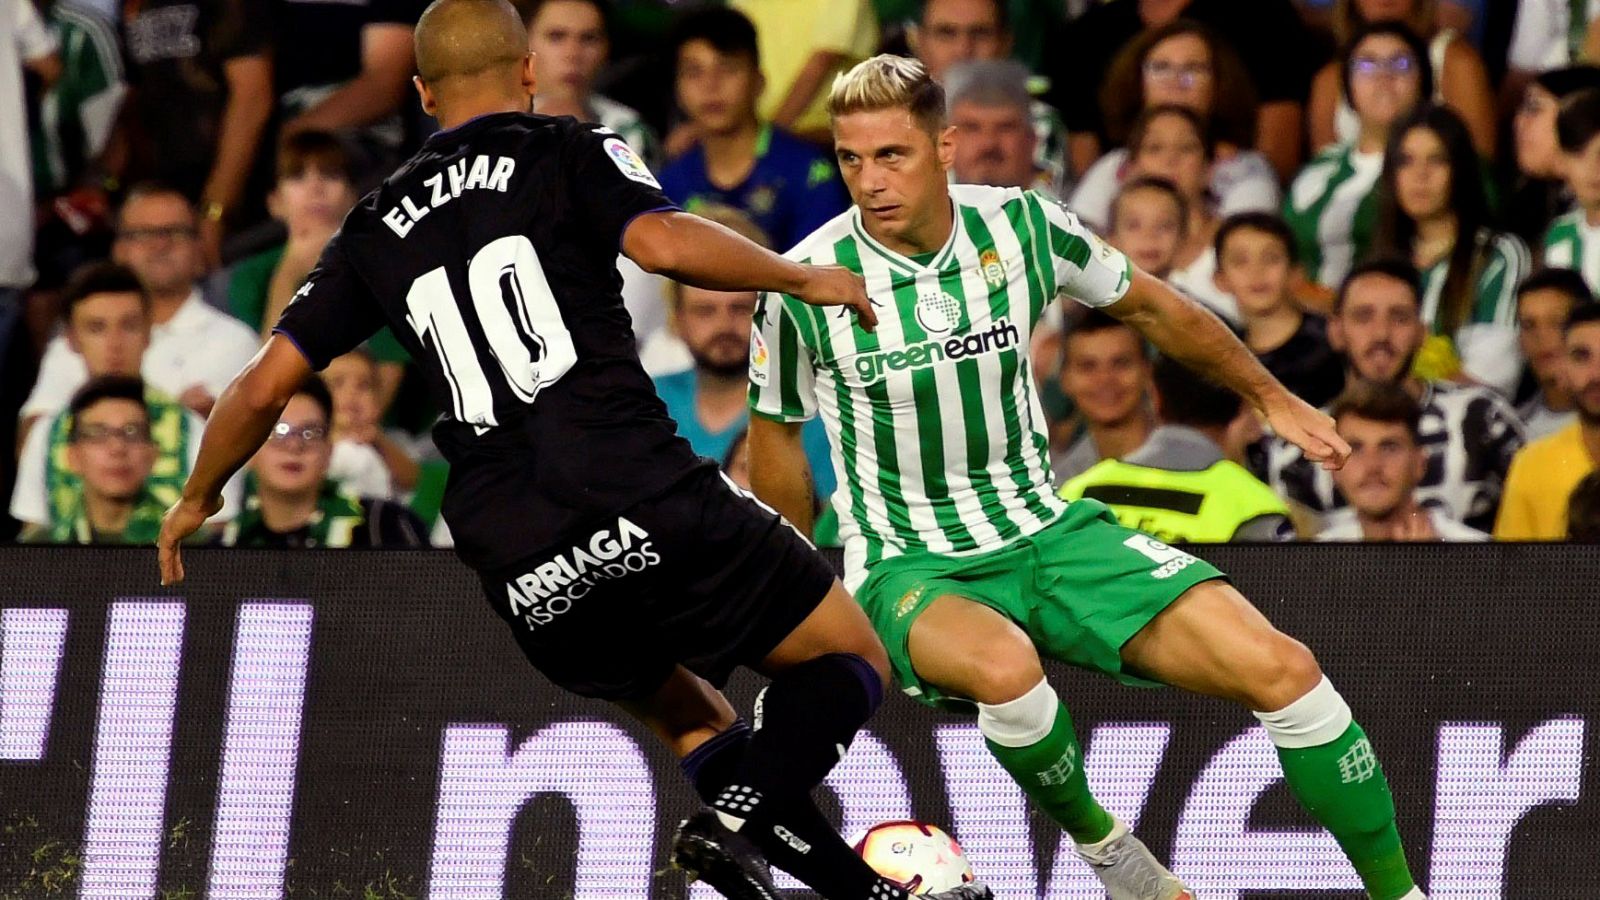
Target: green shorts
pixel 1080 589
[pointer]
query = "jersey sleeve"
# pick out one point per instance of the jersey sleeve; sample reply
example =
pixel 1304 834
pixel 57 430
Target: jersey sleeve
pixel 1085 268
pixel 333 312
pixel 782 371
pixel 610 183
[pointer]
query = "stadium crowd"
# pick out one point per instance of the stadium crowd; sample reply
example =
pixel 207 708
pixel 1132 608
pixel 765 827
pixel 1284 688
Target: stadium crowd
pixel 1396 203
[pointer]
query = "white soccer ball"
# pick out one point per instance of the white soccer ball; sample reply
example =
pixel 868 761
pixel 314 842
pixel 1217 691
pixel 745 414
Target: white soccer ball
pixel 921 858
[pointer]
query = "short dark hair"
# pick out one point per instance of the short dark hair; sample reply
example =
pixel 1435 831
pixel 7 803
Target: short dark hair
pixel 1385 402
pixel 1188 398
pixel 1150 183
pixel 1390 266
pixel 317 389
pixel 1270 224
pixel 1583 511
pixel 102 277
pixel 1554 278
pixel 1093 322
pixel 1002 13
pixel 1583 314
pixel 320 150
pixel 104 387
pixel 728 31
pixel 151 187
pixel 1578 122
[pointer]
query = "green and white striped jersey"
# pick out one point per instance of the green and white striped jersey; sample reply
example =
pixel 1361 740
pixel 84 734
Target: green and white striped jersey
pixel 933 423
pixel 1503 262
pixel 1572 243
pixel 1332 210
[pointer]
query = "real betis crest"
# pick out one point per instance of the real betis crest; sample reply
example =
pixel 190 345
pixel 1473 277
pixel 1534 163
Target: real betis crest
pixel 994 271
pixel 940 314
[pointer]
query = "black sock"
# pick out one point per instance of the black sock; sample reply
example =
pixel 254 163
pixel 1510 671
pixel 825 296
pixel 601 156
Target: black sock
pixel 780 817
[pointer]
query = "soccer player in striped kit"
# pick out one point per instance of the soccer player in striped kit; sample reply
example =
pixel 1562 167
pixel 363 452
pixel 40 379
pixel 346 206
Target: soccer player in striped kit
pixel 969 567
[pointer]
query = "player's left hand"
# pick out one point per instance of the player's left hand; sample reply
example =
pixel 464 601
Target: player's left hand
pixel 1308 428
pixel 183 519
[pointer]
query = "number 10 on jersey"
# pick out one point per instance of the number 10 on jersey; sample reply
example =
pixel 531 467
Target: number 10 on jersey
pixel 520 320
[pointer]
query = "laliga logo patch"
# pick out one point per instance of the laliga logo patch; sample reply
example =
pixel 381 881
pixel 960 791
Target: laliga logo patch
pixel 759 359
pixel 994 271
pixel 629 163
pixel 938 313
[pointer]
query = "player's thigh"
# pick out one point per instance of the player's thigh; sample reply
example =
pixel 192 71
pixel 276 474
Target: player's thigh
pixel 1211 640
pixel 837 625
pixel 685 712
pixel 969 650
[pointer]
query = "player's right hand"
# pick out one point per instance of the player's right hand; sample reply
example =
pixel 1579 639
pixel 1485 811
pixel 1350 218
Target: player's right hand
pixel 183 519
pixel 838 286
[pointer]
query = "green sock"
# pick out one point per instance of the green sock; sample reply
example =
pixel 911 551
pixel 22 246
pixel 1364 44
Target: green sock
pixel 1051 772
pixel 1341 784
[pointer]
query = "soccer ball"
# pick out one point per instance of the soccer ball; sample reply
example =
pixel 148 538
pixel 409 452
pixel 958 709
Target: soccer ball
pixel 921 858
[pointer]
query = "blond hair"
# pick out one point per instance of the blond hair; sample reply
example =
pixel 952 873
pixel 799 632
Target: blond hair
pixel 889 82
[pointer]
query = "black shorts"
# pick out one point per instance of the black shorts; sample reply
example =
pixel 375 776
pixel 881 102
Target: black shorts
pixel 700 575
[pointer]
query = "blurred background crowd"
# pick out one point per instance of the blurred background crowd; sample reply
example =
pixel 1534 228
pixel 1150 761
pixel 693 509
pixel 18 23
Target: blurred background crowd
pixel 1396 203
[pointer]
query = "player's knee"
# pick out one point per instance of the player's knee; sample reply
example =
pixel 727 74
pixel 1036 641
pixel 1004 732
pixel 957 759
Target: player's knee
pixel 1003 672
pixel 1286 671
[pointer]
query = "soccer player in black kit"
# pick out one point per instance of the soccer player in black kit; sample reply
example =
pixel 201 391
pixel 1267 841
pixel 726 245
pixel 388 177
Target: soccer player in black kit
pixel 627 567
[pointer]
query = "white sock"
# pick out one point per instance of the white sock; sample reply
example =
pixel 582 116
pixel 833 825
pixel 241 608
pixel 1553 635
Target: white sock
pixel 1092 852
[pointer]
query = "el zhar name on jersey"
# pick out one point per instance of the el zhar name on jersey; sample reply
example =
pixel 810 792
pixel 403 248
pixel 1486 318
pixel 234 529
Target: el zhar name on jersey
pixel 537 597
pixel 479 174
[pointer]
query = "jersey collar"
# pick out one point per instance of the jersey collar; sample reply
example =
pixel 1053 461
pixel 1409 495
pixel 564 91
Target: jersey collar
pixel 903 264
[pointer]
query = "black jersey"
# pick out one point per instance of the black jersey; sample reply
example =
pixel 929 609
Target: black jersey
pixel 491 254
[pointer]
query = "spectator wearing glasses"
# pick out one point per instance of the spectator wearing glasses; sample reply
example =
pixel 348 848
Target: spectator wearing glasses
pixel 1544 475
pixel 1182 64
pixel 1382 425
pixel 1432 208
pixel 989 103
pixel 195 349
pixel 950 33
pixel 1268 36
pixel 1470 432
pixel 108 328
pixel 296 505
pixel 111 456
pixel 1460 80
pixel 571 41
pixel 1332 204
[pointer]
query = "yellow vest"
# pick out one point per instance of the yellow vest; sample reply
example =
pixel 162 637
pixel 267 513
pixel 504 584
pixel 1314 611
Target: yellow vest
pixel 1205 506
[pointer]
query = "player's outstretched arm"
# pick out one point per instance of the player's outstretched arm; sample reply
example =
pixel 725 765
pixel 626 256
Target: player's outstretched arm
pixel 696 251
pixel 239 423
pixel 1189 333
pixel 780 473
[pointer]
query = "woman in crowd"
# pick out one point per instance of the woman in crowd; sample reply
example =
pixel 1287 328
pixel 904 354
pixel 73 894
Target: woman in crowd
pixel 1539 192
pixel 1181 64
pixel 1433 210
pixel 1331 206
pixel 1460 80
pixel 1171 142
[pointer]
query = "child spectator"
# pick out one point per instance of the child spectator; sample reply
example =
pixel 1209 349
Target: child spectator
pixel 1149 222
pixel 783 184
pixel 1256 265
pixel 365 459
